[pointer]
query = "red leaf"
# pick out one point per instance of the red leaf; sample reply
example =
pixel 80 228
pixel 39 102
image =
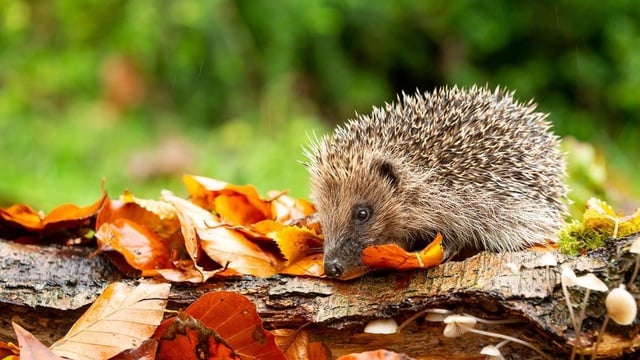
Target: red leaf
pixel 234 318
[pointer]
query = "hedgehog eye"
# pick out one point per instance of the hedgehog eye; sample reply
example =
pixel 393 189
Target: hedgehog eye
pixel 362 214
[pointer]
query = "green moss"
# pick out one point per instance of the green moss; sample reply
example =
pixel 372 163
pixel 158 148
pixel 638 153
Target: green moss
pixel 576 236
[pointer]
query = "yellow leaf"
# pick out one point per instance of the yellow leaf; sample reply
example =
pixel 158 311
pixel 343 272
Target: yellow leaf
pixel 121 318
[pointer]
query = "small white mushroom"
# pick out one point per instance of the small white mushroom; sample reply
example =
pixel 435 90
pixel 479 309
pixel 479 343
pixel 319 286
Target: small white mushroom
pixel 492 352
pixel 547 260
pixel 381 326
pixel 621 306
pixel 458 325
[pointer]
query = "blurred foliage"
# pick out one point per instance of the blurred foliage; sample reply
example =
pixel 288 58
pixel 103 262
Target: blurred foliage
pixel 86 84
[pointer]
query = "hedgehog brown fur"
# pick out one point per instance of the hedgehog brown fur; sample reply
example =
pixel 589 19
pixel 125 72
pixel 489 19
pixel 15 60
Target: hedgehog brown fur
pixel 473 164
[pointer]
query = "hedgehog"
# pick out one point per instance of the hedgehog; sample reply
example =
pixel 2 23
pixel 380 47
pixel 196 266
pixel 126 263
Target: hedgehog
pixel 474 165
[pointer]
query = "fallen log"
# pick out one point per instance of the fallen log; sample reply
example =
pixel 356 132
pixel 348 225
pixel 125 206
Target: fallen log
pixel 45 288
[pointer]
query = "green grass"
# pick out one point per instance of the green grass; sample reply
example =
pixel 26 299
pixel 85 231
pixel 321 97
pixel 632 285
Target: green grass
pixel 50 161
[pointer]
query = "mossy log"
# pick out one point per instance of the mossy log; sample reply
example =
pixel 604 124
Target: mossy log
pixel 45 288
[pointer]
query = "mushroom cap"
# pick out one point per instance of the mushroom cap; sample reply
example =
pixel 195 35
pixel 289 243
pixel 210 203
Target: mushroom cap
pixel 547 260
pixel 568 277
pixel 381 326
pixel 492 352
pixel 458 325
pixel 621 306
pixel 591 282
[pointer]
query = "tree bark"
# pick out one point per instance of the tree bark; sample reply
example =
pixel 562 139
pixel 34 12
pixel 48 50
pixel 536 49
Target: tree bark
pixel 45 288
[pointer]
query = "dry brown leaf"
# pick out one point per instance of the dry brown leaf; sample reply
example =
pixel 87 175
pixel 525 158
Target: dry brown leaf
pixel 30 347
pixel 294 343
pixel 121 318
pixel 227 247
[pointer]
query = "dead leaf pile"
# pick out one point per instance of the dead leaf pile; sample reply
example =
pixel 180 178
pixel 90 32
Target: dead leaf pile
pixel 221 230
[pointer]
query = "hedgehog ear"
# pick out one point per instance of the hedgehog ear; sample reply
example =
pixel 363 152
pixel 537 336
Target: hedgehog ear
pixel 386 170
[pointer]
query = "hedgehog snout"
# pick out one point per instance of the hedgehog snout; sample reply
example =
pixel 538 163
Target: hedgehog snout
pixel 333 268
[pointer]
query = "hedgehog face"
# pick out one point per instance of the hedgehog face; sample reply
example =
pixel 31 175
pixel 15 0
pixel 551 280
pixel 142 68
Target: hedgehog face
pixel 358 209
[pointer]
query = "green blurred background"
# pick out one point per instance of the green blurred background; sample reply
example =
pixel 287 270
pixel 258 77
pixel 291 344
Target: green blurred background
pixel 141 91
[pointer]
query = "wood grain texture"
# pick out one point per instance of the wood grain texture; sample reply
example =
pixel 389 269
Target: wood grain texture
pixel 46 288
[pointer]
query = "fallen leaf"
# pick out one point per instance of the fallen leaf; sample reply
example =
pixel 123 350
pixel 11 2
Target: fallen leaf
pixel 7 350
pixel 183 337
pixel 146 351
pixel 121 318
pixel 287 208
pixel 30 347
pixel 311 265
pixel 236 209
pixel 294 242
pixel 69 215
pixel 203 191
pixel 394 257
pixel 157 216
pixel 234 319
pixel 227 247
pixel 63 223
pixel 143 249
pixel 294 343
pixel 319 351
pixel 22 216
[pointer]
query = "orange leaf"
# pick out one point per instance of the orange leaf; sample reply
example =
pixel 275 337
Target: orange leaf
pixel 308 266
pixel 30 347
pixel 235 319
pixel 142 248
pixel 294 343
pixel 318 351
pixel 7 350
pixel 294 242
pixel 159 217
pixel 23 216
pixel 203 192
pixel 62 224
pixel 394 257
pixel 227 247
pixel 72 213
pixel 237 210
pixel 120 319
pixel 186 338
